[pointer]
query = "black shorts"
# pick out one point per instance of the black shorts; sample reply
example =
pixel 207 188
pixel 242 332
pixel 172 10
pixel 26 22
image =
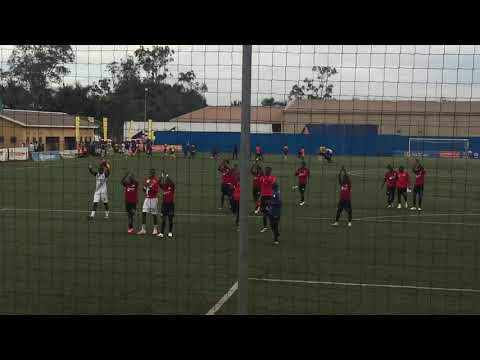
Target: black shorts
pixel 168 209
pixel 302 187
pixel 391 190
pixel 264 201
pixel 345 204
pixel 418 189
pixel 401 191
pixel 226 190
pixel 130 207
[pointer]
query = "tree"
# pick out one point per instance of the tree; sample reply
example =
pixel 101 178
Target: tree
pixel 309 88
pixel 35 67
pixel 272 102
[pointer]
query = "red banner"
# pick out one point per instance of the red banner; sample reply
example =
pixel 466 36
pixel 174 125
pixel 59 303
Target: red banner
pixel 449 154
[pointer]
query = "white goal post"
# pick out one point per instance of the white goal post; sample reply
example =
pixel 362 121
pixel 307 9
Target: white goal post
pixel 419 147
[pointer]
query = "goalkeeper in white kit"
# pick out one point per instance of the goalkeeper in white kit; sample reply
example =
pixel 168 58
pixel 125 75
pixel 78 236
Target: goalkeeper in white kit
pixel 101 193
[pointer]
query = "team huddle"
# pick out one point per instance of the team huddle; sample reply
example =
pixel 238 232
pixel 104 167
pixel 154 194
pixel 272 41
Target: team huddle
pixel 266 195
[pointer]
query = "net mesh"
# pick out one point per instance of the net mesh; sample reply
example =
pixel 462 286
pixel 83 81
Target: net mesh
pixel 361 107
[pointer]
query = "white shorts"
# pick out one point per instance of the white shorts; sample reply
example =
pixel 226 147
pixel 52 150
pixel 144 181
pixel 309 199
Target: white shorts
pixel 150 206
pixel 101 195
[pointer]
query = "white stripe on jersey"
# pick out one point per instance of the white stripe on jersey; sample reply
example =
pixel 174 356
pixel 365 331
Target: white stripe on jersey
pixel 101 182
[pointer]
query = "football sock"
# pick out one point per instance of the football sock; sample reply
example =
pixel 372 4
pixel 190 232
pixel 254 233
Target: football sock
pixel 92 214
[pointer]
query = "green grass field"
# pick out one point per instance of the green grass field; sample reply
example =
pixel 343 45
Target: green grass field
pixel 54 261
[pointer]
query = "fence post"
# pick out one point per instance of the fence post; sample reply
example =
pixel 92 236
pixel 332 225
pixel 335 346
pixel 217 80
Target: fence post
pixel 244 181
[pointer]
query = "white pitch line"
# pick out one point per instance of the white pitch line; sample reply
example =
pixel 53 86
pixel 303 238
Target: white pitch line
pixel 391 286
pixel 223 300
pixel 413 215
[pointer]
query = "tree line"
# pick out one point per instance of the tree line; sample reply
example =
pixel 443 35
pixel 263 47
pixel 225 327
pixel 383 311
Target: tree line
pixel 35 75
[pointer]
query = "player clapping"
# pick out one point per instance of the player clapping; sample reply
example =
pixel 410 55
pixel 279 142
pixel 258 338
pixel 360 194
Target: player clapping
pixel 151 187
pixel 403 183
pixel 303 174
pixel 345 202
pixel 168 204
pixel 101 193
pixel 419 172
pixel 390 178
pixel 130 192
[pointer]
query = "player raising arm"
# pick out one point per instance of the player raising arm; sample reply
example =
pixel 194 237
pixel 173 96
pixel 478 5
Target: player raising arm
pixel 403 183
pixel 150 204
pixel 266 190
pixel 101 193
pixel 390 178
pixel 303 174
pixel 130 192
pixel 345 202
pixel 168 204
pixel 419 172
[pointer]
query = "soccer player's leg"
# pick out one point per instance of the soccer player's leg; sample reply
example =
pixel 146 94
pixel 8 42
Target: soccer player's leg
pixel 263 207
pixel 104 198
pixel 130 208
pixel 302 188
pixel 340 207
pixel 399 198
pixel 154 212
pixel 224 193
pixel 96 200
pixel 171 215
pixel 145 211
pixel 420 197
pixel 348 208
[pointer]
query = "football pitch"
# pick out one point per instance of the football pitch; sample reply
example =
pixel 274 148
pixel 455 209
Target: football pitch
pixel 391 261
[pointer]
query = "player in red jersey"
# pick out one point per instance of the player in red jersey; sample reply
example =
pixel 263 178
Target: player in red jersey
pixel 225 170
pixel 151 186
pixel 266 184
pixel 419 172
pixel 257 172
pixel 168 204
pixel 303 174
pixel 390 178
pixel 130 193
pixel 236 201
pixel 258 153
pixel 403 183
pixel 285 151
pixel 345 202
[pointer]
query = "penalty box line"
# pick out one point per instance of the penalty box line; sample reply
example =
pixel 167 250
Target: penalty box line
pixel 381 218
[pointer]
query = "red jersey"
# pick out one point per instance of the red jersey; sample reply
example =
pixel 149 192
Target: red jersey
pixel 258 150
pixel 152 187
pixel 420 176
pixel 168 193
pixel 403 180
pixel 266 183
pixel 236 191
pixel 391 178
pixel 303 174
pixel 345 191
pixel 130 193
pixel 226 176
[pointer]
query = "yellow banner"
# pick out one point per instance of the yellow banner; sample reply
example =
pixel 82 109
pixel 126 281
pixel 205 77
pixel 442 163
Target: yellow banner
pixel 105 128
pixel 150 132
pixel 130 125
pixel 77 129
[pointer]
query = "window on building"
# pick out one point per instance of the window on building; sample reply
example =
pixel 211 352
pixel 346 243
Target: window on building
pixel 34 139
pixel 276 128
pixel 28 139
pixel 2 139
pixel 40 139
pixel 13 140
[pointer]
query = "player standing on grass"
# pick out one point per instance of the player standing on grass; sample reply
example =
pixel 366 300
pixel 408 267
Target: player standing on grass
pixel 236 201
pixel 258 153
pixel 390 178
pixel 301 153
pixel 274 209
pixel 419 172
pixel 403 182
pixel 130 192
pixel 101 193
pixel 257 172
pixel 266 190
pixel 345 202
pixel 150 204
pixel 225 170
pixel 303 174
pixel 168 204
pixel 285 151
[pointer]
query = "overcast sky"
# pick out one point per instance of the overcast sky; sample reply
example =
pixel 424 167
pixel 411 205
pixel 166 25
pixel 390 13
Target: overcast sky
pixel 364 71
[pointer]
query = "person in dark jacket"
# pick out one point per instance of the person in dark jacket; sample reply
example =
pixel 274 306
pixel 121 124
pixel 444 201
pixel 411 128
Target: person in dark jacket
pixel 274 210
